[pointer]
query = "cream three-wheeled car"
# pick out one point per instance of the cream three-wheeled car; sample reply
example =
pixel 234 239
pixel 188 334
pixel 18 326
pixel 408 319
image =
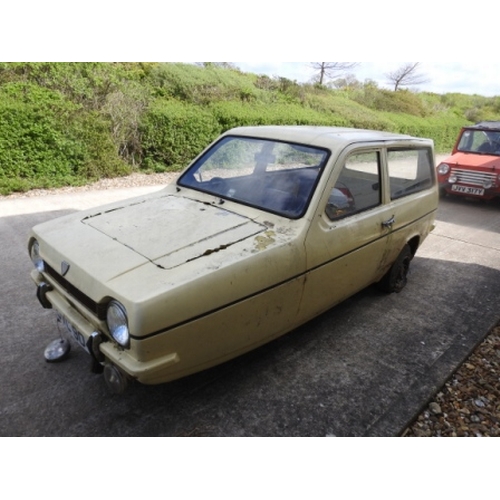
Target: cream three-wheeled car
pixel 266 229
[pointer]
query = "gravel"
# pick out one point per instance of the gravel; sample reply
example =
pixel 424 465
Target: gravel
pixel 469 403
pixel 467 406
pixel 130 181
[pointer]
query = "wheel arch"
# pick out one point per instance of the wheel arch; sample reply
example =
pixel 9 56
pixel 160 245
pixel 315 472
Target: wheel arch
pixel 414 243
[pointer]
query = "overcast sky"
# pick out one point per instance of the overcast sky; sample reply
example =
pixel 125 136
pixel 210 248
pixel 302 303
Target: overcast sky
pixel 443 77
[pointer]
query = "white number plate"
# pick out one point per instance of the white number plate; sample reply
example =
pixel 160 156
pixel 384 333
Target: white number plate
pixel 468 190
pixel 73 332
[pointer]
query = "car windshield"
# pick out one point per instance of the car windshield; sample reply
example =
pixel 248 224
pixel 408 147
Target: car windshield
pixel 480 142
pixel 274 176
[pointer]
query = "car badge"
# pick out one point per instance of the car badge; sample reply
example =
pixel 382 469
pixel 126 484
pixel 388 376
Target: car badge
pixel 64 268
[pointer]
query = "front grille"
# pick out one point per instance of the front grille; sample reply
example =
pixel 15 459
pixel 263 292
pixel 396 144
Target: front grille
pixel 472 177
pixel 98 309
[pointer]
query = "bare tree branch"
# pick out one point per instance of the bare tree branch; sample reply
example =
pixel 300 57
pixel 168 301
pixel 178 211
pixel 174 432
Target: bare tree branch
pixel 330 69
pixel 406 75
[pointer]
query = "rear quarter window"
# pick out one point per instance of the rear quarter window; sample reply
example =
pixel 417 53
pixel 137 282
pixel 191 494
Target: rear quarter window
pixel 410 171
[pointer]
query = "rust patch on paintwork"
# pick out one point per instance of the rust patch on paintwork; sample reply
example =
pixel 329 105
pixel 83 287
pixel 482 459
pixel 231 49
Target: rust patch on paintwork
pixel 264 240
pixel 210 252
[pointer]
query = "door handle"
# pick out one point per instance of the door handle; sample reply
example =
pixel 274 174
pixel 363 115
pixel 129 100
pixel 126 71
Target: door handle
pixel 389 223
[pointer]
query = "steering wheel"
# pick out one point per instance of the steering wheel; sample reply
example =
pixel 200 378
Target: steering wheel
pixel 219 185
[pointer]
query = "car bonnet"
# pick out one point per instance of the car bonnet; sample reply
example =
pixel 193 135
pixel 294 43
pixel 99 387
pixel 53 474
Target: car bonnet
pixel 171 230
pixel 483 161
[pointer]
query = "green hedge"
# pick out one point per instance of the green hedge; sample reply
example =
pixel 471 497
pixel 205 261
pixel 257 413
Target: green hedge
pixel 173 133
pixel 442 130
pixel 48 141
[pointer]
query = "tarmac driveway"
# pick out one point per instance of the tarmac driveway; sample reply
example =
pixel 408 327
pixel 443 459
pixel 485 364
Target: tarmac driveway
pixel 365 368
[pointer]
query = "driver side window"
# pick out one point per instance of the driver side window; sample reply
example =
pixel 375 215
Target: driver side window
pixel 358 187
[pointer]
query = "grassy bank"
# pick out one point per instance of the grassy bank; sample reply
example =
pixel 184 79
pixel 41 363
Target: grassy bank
pixel 72 123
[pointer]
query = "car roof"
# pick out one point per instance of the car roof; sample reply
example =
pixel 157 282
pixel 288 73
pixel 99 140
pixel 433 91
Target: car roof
pixel 486 125
pixel 320 136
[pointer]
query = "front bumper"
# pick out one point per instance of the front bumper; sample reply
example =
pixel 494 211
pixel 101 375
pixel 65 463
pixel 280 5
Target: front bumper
pixel 91 338
pixel 469 191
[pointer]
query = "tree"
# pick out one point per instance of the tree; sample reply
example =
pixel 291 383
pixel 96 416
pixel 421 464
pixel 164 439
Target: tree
pixel 406 75
pixel 348 81
pixel 330 70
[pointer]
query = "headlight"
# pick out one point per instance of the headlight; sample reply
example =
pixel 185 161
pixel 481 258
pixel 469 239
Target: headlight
pixel 443 169
pixel 36 258
pixel 116 317
pixel 488 184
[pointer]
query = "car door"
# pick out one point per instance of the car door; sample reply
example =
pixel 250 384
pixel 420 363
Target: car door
pixel 412 195
pixel 346 245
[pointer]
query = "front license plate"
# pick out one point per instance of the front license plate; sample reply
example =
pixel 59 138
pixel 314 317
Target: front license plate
pixel 72 331
pixel 468 190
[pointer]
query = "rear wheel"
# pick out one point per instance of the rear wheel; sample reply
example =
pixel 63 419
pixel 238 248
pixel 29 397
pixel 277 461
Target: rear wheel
pixel 397 276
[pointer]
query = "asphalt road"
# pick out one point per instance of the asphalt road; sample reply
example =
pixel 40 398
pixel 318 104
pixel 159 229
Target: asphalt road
pixel 365 368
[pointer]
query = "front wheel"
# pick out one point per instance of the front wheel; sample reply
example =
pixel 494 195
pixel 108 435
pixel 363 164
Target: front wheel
pixel 397 276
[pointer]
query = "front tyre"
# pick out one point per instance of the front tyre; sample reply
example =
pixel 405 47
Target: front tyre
pixel 397 276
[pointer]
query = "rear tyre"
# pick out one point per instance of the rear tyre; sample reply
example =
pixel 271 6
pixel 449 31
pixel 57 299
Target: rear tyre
pixel 397 276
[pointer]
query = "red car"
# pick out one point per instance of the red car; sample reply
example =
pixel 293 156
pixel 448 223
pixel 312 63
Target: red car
pixel 473 169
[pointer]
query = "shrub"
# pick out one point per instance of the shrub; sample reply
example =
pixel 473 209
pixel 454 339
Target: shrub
pixel 443 130
pixel 48 141
pixel 237 114
pixel 173 133
pixel 202 85
pixel 402 101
